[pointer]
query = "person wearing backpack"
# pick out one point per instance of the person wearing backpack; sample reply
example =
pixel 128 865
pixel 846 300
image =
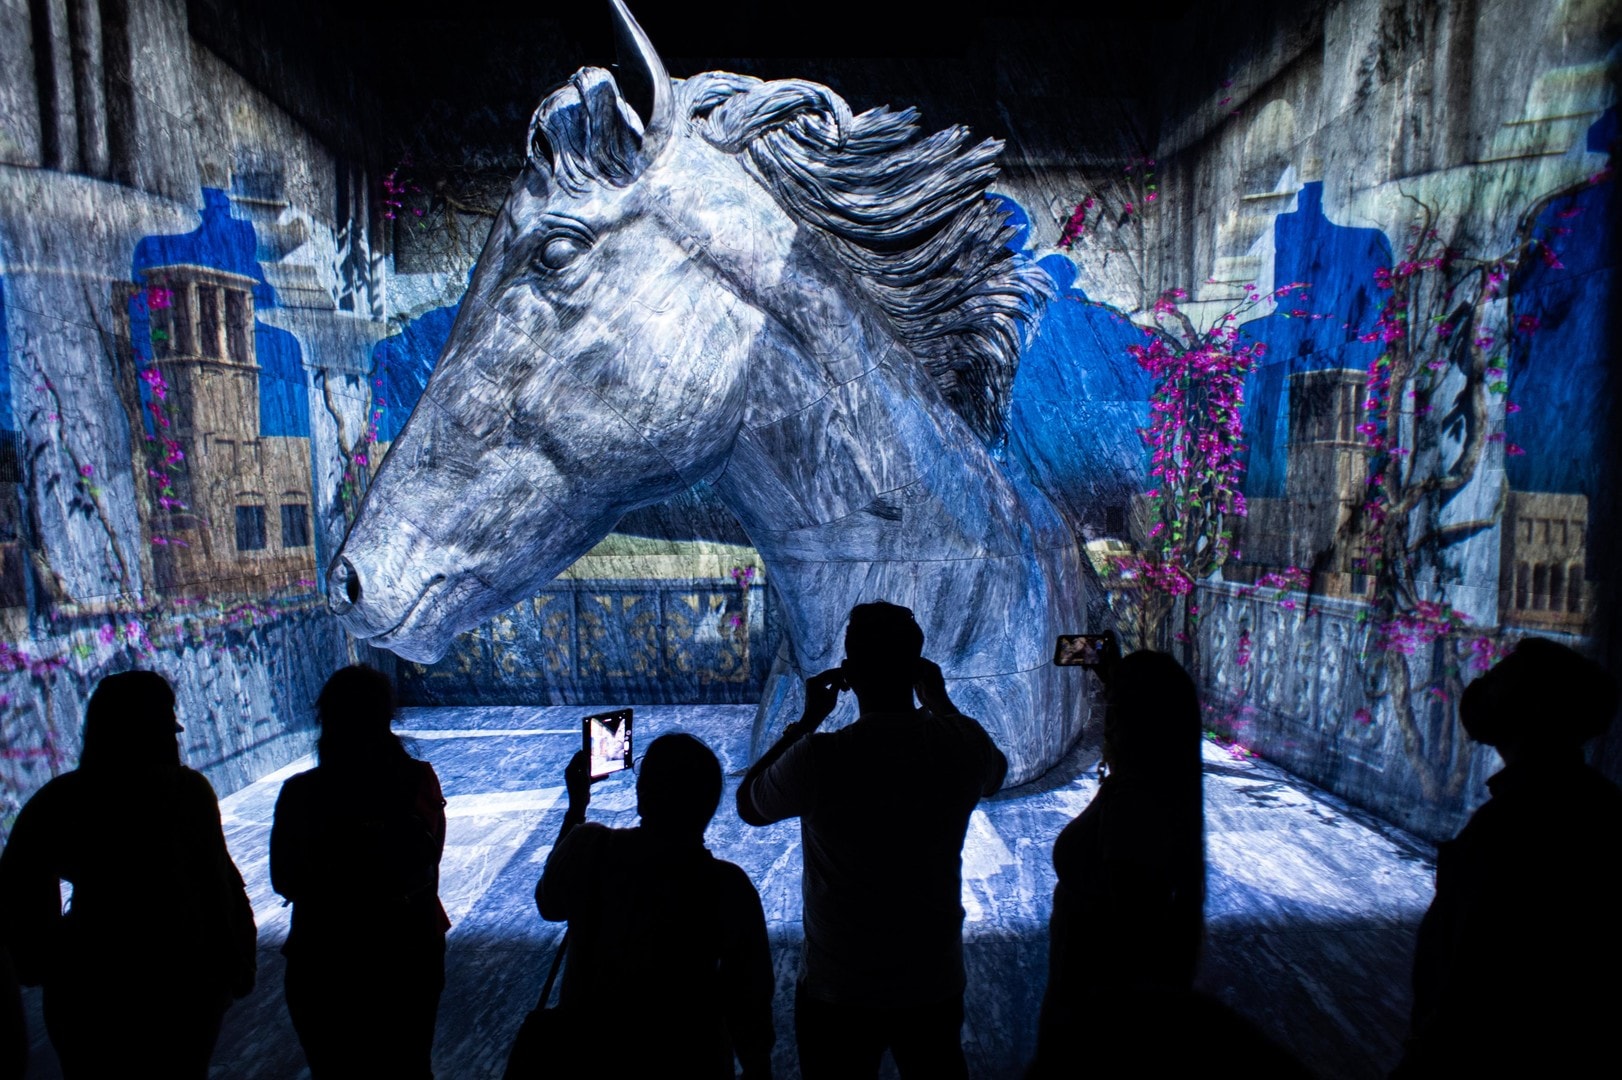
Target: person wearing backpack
pixel 158 936
pixel 668 971
pixel 355 847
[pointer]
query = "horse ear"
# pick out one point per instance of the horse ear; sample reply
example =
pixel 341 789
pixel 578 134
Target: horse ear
pixel 642 65
pixel 538 146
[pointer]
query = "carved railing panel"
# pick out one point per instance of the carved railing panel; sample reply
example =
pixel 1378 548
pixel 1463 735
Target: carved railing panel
pixel 594 641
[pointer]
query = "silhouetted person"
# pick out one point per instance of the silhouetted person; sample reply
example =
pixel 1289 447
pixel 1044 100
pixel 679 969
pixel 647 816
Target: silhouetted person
pixel 159 934
pixel 668 970
pixel 883 806
pixel 1518 964
pixel 356 846
pixel 1128 910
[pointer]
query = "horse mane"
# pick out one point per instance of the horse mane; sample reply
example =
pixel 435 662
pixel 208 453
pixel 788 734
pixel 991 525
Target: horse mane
pixel 907 217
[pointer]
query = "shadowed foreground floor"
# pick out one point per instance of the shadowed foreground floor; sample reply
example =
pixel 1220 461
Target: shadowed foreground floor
pixel 1311 906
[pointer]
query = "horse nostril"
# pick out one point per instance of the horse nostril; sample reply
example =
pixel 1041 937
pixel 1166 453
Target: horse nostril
pixel 343 586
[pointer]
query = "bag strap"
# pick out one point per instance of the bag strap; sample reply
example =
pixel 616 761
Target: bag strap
pixel 557 962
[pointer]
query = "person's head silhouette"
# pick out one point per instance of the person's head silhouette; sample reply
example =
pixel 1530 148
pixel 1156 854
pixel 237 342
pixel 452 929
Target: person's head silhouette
pixel 355 709
pixel 130 722
pixel 1151 716
pixel 883 643
pixel 1542 696
pixel 678 786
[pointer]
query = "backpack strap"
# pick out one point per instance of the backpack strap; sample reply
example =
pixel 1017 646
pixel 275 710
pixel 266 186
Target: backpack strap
pixel 551 976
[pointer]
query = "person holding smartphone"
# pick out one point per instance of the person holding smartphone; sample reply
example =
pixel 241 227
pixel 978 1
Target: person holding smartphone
pixel 1128 909
pixel 883 806
pixel 658 929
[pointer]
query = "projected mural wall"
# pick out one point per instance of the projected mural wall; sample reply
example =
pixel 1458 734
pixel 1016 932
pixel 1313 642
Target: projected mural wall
pixel 168 428
pixel 1316 403
pixel 1373 384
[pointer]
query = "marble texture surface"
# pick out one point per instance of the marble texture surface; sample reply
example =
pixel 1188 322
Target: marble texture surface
pixel 652 310
pixel 1311 909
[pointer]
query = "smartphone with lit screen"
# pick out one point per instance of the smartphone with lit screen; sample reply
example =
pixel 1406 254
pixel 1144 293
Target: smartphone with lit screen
pixel 608 742
pixel 1081 650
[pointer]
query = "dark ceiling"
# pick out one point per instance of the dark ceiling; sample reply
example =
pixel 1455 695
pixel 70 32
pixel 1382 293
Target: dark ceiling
pixel 451 85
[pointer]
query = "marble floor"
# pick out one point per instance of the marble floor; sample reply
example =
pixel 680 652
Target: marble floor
pixel 1311 911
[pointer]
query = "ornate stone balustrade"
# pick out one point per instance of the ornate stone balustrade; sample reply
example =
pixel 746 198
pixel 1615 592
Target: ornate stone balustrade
pixel 1307 691
pixel 589 641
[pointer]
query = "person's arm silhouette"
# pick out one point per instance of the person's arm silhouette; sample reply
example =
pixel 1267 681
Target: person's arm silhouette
pixel 821 695
pixel 930 685
pixel 30 889
pixel 430 808
pixel 237 947
pixel 747 980
pixel 291 854
pixel 555 891
pixel 577 782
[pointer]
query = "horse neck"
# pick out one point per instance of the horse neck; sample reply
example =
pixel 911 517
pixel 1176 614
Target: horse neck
pixel 849 453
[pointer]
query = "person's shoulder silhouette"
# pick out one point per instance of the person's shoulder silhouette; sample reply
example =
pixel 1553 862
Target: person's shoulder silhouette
pixel 1517 960
pixel 159 934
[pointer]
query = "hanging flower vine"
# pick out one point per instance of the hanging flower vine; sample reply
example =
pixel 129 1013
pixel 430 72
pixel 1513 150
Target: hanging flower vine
pixel 1195 438
pixel 1436 404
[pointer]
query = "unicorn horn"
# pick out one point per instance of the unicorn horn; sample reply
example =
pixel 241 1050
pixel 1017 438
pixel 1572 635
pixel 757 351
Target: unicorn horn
pixel 633 41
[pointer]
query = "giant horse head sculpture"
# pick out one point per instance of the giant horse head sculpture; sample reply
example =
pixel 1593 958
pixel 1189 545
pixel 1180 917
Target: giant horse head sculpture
pixel 810 309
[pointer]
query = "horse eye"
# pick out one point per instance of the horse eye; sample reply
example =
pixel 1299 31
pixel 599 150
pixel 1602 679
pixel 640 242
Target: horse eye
pixel 559 251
